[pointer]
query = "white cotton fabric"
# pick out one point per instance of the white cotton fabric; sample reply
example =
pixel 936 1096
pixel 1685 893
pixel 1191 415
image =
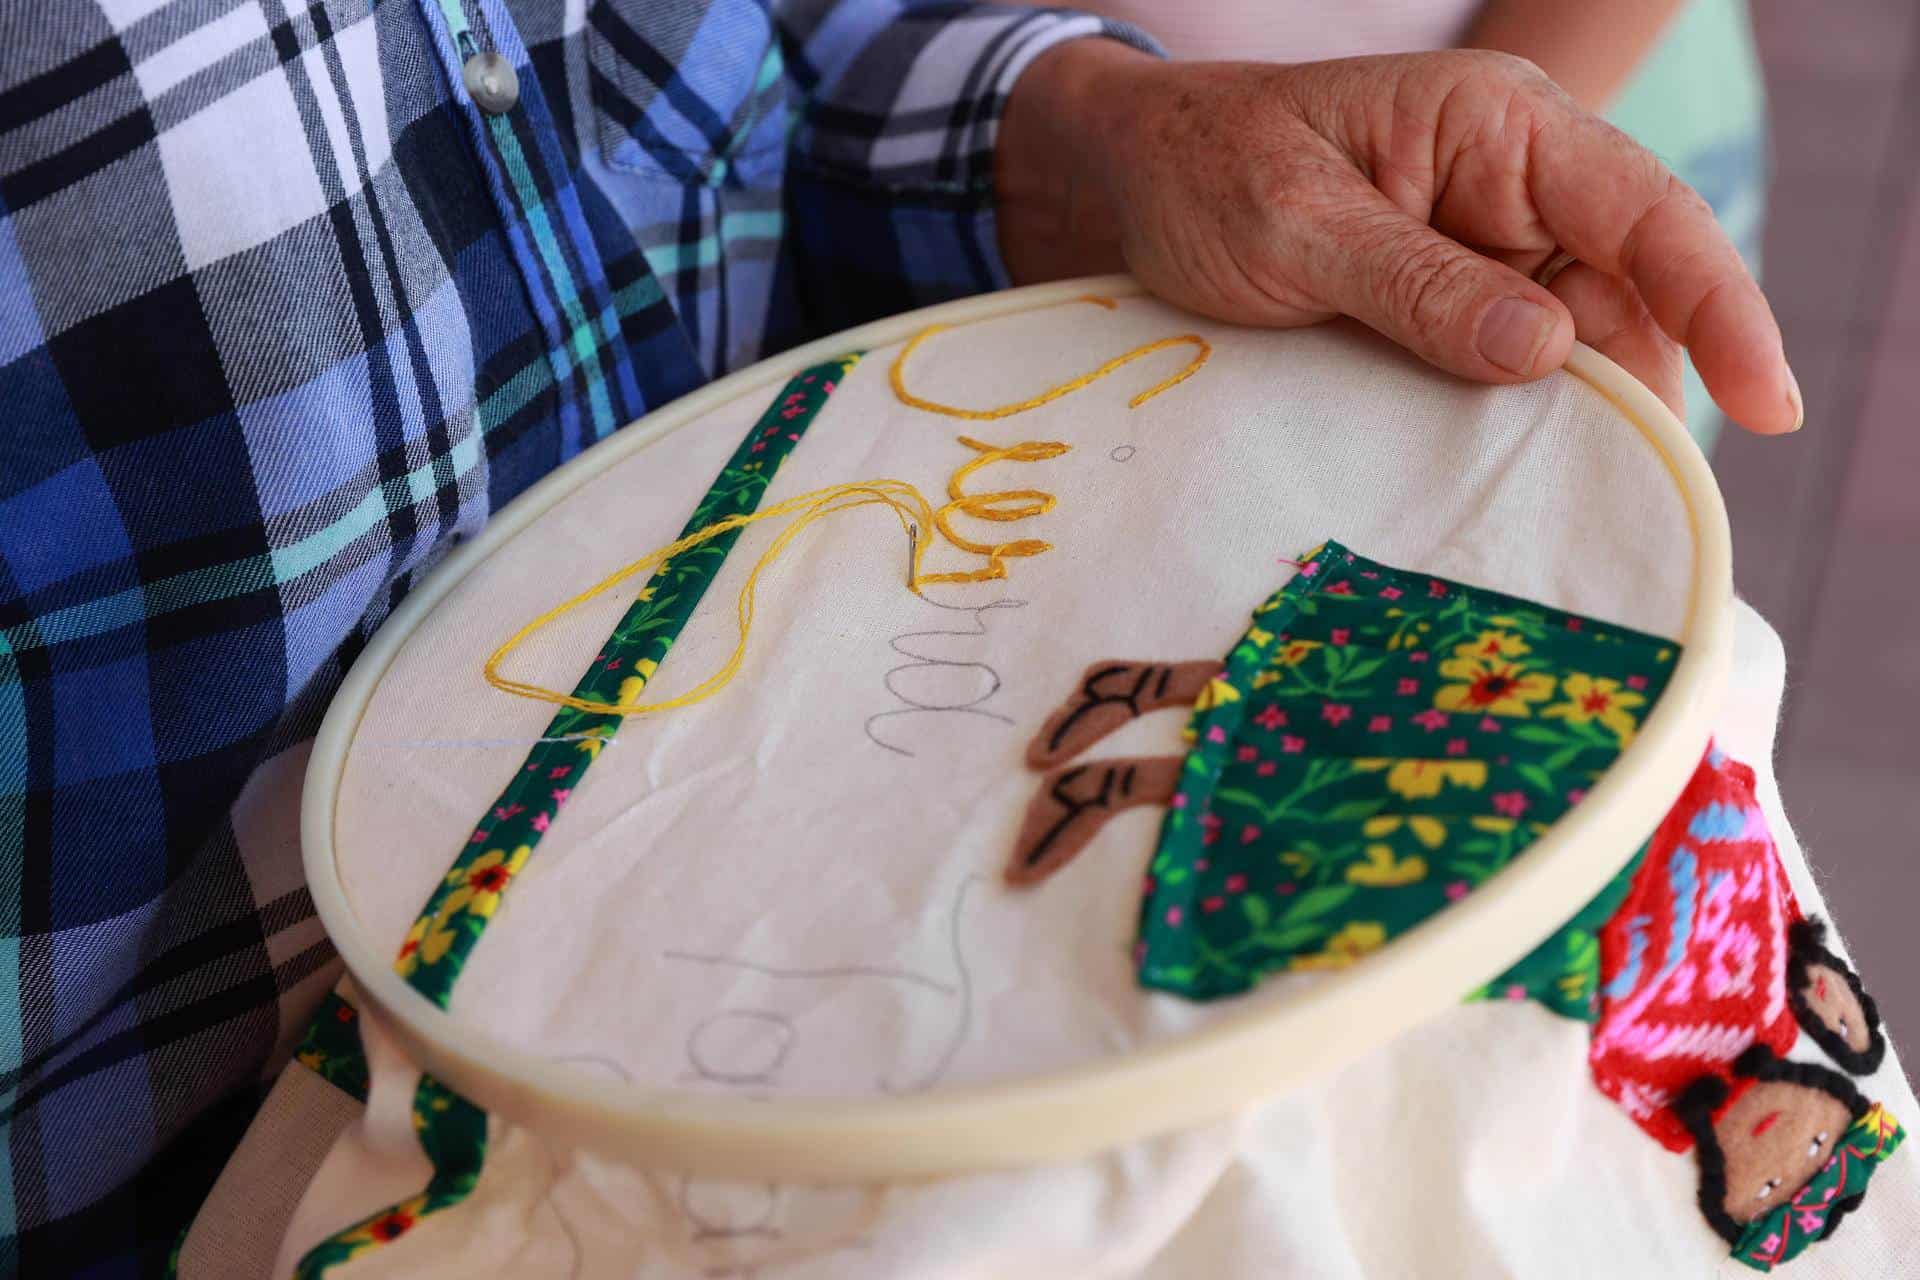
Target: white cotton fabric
pixel 774 893
pixel 1475 1145
pixel 767 826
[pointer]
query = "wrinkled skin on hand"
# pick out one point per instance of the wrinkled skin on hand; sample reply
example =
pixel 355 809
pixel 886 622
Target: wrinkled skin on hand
pixel 1417 193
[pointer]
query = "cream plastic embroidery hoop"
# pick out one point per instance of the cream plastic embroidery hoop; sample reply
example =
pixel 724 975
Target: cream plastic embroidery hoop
pixel 1170 1084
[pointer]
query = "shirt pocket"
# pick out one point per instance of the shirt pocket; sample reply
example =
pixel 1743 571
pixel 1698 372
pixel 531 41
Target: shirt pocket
pixel 694 93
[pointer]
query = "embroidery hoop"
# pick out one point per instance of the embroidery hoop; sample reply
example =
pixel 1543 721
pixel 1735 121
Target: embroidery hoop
pixel 1172 1084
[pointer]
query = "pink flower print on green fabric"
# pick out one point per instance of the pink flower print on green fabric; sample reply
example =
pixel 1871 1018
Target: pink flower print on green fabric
pixel 503 841
pixel 1410 736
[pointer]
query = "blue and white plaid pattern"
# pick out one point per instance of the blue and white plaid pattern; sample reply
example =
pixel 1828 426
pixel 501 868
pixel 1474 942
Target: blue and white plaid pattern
pixel 282 316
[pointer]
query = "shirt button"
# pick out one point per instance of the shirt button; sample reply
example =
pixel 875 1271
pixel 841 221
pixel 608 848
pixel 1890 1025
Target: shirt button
pixel 492 81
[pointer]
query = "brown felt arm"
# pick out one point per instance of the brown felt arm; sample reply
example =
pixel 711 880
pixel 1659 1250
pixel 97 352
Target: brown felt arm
pixel 1072 804
pixel 1109 696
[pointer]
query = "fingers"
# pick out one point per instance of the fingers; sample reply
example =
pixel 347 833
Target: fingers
pixel 1609 316
pixel 1611 204
pixel 1450 305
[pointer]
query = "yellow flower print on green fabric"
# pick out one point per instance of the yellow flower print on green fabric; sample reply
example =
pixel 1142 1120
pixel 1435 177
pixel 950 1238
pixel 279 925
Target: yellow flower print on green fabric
pixel 479 884
pixel 390 1225
pixel 633 686
pixel 1382 870
pixel 1430 832
pixel 426 943
pixel 1293 653
pixel 1590 698
pixel 1216 693
pixel 1491 686
pixel 1424 779
pixel 1494 644
pixel 1354 940
pixel 1399 740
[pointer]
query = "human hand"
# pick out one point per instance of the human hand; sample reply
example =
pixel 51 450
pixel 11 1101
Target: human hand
pixel 1417 193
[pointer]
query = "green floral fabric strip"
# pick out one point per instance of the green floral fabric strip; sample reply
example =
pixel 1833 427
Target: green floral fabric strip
pixel 453 1132
pixel 331 1048
pixel 457 913
pixel 1379 744
pixel 1785 1232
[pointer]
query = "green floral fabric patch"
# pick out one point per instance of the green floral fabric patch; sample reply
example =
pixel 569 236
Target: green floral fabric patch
pixel 331 1047
pixel 1379 744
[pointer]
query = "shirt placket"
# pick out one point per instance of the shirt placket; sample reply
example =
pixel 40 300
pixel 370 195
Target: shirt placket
pixel 602 378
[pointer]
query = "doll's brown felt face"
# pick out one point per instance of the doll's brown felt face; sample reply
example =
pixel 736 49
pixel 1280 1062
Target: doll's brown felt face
pixel 1831 998
pixel 1775 1138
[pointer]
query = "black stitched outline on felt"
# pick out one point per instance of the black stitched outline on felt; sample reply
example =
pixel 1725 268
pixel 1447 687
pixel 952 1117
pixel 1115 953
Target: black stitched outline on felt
pixel 1699 1101
pixel 1806 946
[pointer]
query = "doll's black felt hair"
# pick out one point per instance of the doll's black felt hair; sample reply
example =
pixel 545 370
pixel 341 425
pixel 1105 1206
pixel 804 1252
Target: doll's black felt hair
pixel 1697 1104
pixel 1806 946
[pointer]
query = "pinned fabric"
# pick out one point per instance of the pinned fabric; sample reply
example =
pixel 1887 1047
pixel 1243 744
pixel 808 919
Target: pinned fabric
pixel 1379 744
pixel 1694 963
pixel 1814 1213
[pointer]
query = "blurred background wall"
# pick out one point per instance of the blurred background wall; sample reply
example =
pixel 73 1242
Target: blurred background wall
pixel 1826 525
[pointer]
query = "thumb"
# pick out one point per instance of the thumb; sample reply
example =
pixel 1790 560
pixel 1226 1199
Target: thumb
pixel 1451 306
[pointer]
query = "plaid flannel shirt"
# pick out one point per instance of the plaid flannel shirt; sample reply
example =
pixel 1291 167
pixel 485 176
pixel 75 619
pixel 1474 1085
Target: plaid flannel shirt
pixel 284 314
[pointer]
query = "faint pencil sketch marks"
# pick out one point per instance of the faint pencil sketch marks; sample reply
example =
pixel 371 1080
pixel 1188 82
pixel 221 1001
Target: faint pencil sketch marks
pixel 760 1038
pixel 749 1046
pixel 926 660
pixel 963 1024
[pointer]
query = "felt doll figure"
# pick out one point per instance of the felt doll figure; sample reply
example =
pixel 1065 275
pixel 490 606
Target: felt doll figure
pixel 1709 971
pixel 1829 1002
pixel 1782 1162
pixel 1758 1150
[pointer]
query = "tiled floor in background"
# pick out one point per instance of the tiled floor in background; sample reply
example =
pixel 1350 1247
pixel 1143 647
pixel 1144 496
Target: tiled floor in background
pixel 1826 525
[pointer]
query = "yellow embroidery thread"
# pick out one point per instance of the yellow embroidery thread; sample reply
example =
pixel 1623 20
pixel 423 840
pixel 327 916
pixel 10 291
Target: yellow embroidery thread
pixel 906 502
pixel 1002 505
pixel 898 376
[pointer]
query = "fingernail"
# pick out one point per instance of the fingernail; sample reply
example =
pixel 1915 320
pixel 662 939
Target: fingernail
pixel 1512 333
pixel 1793 399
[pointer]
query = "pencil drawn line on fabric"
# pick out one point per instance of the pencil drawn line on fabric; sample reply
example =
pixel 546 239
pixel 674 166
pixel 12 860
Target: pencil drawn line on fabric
pixel 759 1059
pixel 718 1213
pixel 933 662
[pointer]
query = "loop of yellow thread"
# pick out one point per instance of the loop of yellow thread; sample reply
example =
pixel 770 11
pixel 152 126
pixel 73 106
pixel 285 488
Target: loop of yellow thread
pixel 906 502
pixel 897 376
pixel 1001 506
